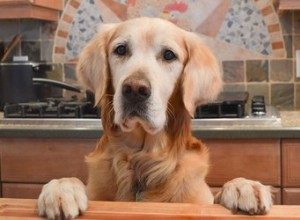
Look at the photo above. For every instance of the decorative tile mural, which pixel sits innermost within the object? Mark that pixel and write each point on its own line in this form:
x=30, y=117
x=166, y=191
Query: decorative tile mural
x=83, y=28
x=256, y=49
x=246, y=28
x=270, y=75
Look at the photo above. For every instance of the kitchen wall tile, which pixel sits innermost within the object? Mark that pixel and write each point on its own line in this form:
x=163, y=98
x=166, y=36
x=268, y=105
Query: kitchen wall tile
x=57, y=72
x=9, y=28
x=236, y=87
x=286, y=19
x=233, y=71
x=46, y=50
x=281, y=70
x=270, y=78
x=32, y=49
x=297, y=98
x=288, y=41
x=30, y=29
x=294, y=72
x=296, y=21
x=70, y=72
x=296, y=44
x=257, y=70
x=282, y=95
x=259, y=89
x=70, y=77
x=48, y=30
x=15, y=52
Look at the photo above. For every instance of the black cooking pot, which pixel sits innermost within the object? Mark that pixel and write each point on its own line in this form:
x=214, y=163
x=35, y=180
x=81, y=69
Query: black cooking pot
x=18, y=82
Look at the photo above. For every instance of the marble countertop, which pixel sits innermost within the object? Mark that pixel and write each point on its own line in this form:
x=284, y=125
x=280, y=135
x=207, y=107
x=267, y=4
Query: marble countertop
x=290, y=119
x=289, y=128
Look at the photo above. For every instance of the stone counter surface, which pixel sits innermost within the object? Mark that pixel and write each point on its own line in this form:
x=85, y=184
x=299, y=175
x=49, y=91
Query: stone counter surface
x=289, y=128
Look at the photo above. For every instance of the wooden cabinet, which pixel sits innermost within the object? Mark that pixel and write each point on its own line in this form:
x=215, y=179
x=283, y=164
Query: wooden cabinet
x=26, y=164
x=289, y=4
x=37, y=9
x=290, y=171
x=21, y=190
x=291, y=196
x=257, y=159
x=291, y=163
x=277, y=198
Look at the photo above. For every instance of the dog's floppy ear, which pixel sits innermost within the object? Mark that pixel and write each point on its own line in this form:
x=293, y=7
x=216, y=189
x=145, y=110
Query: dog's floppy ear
x=202, y=78
x=92, y=67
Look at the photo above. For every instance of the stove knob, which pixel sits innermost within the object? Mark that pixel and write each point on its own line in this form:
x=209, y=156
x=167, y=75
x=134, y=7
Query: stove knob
x=258, y=106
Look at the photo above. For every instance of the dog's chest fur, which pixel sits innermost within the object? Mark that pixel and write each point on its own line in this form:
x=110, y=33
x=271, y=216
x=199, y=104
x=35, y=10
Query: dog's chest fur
x=141, y=171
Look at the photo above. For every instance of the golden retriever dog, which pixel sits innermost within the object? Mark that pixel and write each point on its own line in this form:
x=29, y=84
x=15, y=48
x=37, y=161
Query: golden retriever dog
x=148, y=76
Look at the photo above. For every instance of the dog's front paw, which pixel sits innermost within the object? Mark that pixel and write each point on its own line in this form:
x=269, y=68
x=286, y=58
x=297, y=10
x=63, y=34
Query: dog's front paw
x=245, y=195
x=62, y=198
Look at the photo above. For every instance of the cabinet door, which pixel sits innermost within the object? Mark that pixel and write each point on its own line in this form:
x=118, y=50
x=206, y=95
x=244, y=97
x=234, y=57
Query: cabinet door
x=26, y=160
x=21, y=190
x=257, y=159
x=291, y=162
x=291, y=196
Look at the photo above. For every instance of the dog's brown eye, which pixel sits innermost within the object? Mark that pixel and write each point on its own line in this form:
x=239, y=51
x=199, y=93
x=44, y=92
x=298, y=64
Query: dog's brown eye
x=169, y=55
x=121, y=50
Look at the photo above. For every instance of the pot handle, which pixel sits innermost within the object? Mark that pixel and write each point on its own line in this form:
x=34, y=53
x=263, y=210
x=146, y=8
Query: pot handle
x=41, y=68
x=56, y=83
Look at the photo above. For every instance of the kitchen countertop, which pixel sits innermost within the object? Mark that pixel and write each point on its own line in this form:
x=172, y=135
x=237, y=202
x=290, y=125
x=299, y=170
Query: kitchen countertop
x=26, y=208
x=289, y=128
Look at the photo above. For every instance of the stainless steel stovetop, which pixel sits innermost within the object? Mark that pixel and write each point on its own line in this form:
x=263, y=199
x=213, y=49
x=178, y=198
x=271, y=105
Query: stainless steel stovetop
x=271, y=118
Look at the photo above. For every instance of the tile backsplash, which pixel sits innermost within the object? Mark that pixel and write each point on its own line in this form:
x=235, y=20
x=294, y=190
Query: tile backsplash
x=274, y=78
x=36, y=41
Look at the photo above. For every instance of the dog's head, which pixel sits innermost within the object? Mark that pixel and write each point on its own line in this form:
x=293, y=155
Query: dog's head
x=139, y=63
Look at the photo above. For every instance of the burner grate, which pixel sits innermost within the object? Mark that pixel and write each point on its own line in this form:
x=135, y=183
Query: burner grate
x=52, y=108
x=228, y=105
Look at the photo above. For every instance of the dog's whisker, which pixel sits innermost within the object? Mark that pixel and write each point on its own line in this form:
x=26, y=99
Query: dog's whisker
x=109, y=95
x=170, y=110
x=108, y=106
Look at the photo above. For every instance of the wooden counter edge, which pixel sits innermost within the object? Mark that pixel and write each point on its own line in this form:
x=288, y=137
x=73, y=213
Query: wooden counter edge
x=26, y=209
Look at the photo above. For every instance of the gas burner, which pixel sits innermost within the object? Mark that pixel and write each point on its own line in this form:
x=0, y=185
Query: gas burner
x=34, y=104
x=52, y=108
x=228, y=105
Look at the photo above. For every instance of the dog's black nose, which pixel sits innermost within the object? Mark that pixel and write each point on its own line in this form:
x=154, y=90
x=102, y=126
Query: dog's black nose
x=136, y=90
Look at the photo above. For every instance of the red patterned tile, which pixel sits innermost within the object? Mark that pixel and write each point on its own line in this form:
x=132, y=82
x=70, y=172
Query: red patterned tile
x=277, y=45
x=74, y=4
x=274, y=28
x=63, y=34
x=67, y=18
x=267, y=10
x=60, y=50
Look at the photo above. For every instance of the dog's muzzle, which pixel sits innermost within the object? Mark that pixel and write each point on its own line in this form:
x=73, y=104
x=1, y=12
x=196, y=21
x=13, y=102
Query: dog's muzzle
x=135, y=96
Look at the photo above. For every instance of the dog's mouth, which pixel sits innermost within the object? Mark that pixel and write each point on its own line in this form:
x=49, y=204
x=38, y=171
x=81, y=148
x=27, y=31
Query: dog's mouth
x=145, y=115
x=135, y=110
x=132, y=117
x=129, y=125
